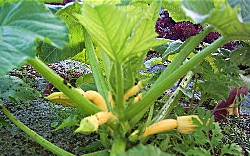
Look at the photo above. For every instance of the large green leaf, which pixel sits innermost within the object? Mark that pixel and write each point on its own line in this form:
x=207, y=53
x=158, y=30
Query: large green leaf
x=49, y=53
x=99, y=2
x=244, y=14
x=21, y=25
x=221, y=16
x=119, y=31
x=47, y=1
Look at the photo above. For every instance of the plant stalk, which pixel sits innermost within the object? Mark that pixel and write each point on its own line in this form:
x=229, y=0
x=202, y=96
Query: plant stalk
x=188, y=46
x=158, y=88
x=83, y=103
x=94, y=63
x=173, y=100
x=39, y=139
x=119, y=103
x=118, y=146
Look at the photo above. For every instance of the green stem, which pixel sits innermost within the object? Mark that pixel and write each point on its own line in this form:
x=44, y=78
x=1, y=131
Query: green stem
x=159, y=88
x=187, y=47
x=197, y=106
x=119, y=146
x=119, y=103
x=39, y=139
x=94, y=63
x=173, y=100
x=67, y=89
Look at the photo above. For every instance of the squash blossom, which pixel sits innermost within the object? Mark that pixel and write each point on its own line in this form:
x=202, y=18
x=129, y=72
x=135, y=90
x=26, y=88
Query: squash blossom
x=183, y=124
x=91, y=123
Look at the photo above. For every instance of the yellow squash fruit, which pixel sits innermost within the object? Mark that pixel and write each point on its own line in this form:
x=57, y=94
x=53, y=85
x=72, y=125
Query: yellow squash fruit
x=132, y=91
x=111, y=100
x=137, y=98
x=97, y=99
x=161, y=126
x=60, y=97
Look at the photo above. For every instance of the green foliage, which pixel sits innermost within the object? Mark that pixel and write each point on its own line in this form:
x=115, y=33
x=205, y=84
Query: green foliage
x=169, y=49
x=210, y=135
x=91, y=147
x=28, y=21
x=72, y=120
x=241, y=56
x=106, y=25
x=216, y=69
x=3, y=123
x=207, y=139
x=244, y=13
x=144, y=150
x=47, y=1
x=86, y=82
x=49, y=53
x=15, y=89
x=221, y=16
x=175, y=11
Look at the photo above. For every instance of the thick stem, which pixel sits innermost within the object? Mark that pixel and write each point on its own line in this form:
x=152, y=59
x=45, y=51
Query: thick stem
x=66, y=88
x=119, y=146
x=97, y=72
x=119, y=103
x=187, y=47
x=159, y=88
x=39, y=139
x=173, y=100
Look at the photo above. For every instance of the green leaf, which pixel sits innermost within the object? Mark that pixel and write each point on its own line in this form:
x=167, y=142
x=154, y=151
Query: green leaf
x=241, y=56
x=70, y=121
x=21, y=25
x=3, y=123
x=172, y=48
x=99, y=2
x=119, y=33
x=43, y=1
x=195, y=151
x=197, y=10
x=221, y=16
x=54, y=124
x=86, y=78
x=106, y=24
x=145, y=151
x=216, y=135
x=49, y=53
x=14, y=87
x=91, y=147
x=232, y=149
x=244, y=14
x=175, y=11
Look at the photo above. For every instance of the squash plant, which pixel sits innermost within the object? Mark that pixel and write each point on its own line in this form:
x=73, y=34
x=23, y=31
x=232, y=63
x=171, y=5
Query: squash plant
x=124, y=32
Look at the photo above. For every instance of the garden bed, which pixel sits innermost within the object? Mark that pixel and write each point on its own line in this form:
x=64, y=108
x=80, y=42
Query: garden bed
x=43, y=116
